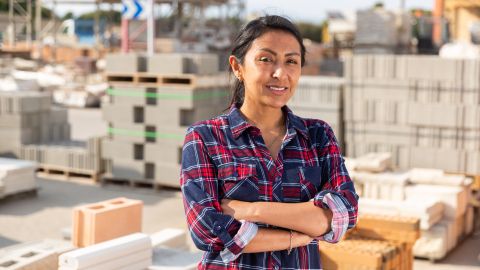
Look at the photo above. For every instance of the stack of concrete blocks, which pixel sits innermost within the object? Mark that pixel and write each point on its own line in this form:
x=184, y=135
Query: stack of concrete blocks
x=423, y=109
x=147, y=122
x=320, y=98
x=81, y=157
x=376, y=31
x=92, y=223
x=16, y=176
x=41, y=255
x=28, y=118
x=438, y=200
x=130, y=252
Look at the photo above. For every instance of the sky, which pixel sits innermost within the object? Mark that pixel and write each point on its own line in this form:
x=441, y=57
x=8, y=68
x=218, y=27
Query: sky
x=298, y=10
x=315, y=10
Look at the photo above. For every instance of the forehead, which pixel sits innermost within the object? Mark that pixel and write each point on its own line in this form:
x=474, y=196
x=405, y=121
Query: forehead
x=276, y=40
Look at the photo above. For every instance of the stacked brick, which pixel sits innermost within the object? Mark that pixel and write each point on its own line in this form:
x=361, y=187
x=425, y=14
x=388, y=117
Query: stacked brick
x=438, y=200
x=423, y=109
x=377, y=242
x=28, y=118
x=149, y=109
x=320, y=98
x=67, y=158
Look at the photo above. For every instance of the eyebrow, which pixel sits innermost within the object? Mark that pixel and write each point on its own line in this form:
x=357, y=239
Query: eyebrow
x=274, y=53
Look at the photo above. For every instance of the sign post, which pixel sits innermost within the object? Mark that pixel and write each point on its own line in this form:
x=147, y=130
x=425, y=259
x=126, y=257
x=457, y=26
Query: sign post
x=137, y=10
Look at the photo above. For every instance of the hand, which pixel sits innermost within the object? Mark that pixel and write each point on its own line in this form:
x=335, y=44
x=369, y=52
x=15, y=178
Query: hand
x=236, y=209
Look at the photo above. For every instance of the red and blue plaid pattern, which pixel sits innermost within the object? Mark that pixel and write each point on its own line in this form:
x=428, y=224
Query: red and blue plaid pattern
x=226, y=157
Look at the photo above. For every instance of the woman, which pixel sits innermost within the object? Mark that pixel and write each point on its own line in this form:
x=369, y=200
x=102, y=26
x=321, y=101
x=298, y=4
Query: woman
x=260, y=184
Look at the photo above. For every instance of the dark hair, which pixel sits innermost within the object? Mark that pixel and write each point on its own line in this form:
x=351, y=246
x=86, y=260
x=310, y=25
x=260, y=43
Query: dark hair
x=248, y=34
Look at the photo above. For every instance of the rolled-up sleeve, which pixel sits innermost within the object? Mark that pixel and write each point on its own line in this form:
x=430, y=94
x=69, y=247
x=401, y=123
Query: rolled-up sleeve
x=338, y=193
x=211, y=230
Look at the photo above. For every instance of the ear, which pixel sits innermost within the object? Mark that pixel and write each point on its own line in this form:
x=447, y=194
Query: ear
x=236, y=66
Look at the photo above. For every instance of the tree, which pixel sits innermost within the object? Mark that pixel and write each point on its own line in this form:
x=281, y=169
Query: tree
x=310, y=31
x=67, y=16
x=110, y=15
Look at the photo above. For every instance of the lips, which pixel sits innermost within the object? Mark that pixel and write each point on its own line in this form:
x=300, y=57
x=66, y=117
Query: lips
x=277, y=88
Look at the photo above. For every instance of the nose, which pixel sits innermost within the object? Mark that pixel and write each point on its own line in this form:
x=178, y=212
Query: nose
x=279, y=72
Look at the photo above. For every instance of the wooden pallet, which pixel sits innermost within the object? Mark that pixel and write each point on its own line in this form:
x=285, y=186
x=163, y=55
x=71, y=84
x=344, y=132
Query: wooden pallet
x=175, y=80
x=67, y=174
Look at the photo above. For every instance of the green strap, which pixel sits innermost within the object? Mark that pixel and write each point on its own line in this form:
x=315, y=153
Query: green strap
x=195, y=96
x=146, y=134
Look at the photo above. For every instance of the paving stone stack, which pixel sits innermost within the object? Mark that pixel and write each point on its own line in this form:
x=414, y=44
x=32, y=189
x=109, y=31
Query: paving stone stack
x=438, y=200
x=150, y=108
x=423, y=109
x=28, y=117
x=320, y=98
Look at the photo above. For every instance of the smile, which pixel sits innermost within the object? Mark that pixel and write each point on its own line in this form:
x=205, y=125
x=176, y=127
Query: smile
x=276, y=88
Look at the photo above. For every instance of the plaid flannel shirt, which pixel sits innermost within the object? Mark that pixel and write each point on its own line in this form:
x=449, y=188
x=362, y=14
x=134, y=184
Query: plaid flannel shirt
x=226, y=157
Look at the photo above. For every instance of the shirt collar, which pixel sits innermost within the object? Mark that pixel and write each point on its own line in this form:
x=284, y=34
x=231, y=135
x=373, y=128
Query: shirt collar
x=238, y=123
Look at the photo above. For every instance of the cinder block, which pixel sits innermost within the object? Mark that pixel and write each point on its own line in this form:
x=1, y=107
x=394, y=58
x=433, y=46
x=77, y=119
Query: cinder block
x=177, y=119
x=128, y=132
x=200, y=64
x=167, y=151
x=92, y=223
x=167, y=174
x=42, y=255
x=125, y=63
x=127, y=169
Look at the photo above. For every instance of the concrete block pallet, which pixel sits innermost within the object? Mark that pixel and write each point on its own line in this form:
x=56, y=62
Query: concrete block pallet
x=66, y=159
x=423, y=109
x=321, y=98
x=149, y=111
x=445, y=217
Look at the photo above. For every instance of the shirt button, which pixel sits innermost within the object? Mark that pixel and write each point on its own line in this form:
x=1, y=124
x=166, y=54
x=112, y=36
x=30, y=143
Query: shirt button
x=218, y=227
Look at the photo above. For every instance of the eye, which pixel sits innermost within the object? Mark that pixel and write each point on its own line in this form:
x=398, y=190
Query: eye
x=264, y=59
x=292, y=61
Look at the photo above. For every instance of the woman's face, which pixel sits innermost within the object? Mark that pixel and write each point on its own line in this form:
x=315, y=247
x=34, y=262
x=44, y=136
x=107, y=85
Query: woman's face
x=271, y=69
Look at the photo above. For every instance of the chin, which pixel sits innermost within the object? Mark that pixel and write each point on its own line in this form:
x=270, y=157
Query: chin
x=277, y=104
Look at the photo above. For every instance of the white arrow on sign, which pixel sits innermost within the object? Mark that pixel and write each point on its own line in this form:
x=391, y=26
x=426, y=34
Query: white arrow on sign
x=134, y=10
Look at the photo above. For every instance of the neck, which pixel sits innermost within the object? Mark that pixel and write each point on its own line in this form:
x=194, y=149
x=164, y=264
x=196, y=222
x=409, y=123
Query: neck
x=263, y=117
